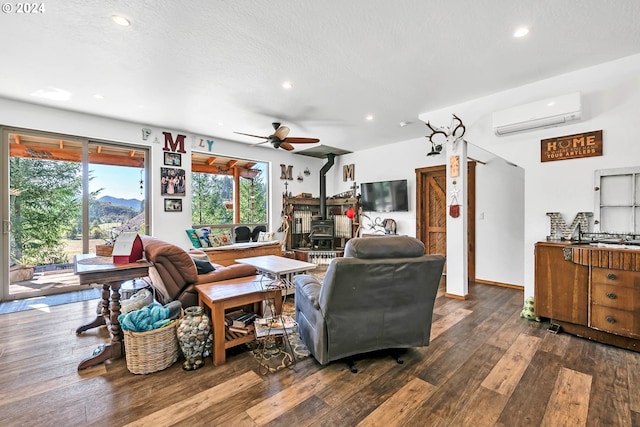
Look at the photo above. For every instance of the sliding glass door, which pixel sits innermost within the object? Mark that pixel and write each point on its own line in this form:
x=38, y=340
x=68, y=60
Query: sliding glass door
x=63, y=196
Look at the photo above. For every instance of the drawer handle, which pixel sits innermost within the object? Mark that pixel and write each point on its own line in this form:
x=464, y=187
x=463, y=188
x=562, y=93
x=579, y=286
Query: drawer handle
x=611, y=276
x=610, y=319
x=611, y=295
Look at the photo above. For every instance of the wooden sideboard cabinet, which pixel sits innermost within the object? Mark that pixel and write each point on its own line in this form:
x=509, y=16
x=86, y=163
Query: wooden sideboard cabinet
x=590, y=291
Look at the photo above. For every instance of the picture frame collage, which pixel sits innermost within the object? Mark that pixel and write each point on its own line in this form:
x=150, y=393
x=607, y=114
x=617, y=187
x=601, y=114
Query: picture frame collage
x=172, y=182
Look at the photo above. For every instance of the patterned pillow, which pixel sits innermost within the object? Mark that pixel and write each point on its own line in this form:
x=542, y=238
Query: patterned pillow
x=195, y=241
x=204, y=235
x=221, y=239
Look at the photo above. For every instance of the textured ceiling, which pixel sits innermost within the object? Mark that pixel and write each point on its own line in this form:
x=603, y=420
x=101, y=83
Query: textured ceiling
x=192, y=65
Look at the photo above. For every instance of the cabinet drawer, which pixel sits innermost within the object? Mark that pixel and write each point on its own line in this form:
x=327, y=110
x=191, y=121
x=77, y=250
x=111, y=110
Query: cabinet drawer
x=620, y=322
x=612, y=295
x=620, y=277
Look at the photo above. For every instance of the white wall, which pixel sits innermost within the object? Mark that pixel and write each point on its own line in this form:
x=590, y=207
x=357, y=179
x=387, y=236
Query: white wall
x=611, y=102
x=500, y=222
x=499, y=236
x=168, y=226
x=389, y=162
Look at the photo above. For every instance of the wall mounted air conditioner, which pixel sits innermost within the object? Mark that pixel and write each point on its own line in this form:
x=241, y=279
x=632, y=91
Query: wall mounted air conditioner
x=546, y=113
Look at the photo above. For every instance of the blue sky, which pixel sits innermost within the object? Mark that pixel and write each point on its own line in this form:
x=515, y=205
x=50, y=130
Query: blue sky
x=117, y=181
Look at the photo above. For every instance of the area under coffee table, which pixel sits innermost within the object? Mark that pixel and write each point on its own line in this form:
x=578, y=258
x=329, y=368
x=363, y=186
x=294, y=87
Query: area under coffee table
x=220, y=296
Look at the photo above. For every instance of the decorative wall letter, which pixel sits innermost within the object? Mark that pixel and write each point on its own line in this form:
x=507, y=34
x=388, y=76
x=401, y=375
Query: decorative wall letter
x=348, y=172
x=177, y=146
x=559, y=228
x=286, y=172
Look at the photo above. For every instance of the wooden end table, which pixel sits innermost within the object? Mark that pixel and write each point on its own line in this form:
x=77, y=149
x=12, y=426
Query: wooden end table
x=94, y=269
x=220, y=296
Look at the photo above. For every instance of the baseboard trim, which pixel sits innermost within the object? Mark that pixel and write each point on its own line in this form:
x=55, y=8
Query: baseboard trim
x=503, y=285
x=454, y=296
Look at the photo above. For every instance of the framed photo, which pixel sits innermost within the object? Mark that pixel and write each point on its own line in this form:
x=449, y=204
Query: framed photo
x=173, y=205
x=172, y=182
x=172, y=159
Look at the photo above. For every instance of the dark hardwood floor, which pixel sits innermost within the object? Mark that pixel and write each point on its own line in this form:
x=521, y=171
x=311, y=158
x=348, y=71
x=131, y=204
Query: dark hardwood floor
x=485, y=366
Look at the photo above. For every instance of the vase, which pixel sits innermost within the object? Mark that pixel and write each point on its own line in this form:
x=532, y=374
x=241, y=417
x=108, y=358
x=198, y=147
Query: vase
x=194, y=330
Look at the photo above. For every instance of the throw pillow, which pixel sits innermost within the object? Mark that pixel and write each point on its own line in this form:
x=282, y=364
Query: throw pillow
x=220, y=239
x=204, y=234
x=203, y=266
x=195, y=241
x=265, y=236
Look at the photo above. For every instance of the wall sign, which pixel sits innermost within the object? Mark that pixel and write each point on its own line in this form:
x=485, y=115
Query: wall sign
x=588, y=144
x=454, y=164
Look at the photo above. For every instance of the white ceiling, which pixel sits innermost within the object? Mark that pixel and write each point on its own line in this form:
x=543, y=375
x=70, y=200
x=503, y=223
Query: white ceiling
x=191, y=65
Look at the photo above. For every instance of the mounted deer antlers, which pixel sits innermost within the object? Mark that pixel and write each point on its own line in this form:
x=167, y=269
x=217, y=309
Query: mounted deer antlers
x=439, y=136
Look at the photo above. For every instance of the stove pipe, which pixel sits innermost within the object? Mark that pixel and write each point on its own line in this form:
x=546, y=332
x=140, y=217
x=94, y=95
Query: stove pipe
x=323, y=184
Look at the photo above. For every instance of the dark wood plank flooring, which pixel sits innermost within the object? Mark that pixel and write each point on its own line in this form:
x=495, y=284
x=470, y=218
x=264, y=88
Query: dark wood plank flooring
x=485, y=366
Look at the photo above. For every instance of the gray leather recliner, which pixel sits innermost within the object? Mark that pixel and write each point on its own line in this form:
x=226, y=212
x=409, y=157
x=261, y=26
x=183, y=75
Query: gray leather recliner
x=380, y=295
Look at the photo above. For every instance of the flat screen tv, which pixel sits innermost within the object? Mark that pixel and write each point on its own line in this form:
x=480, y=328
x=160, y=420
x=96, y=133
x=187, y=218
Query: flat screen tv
x=384, y=196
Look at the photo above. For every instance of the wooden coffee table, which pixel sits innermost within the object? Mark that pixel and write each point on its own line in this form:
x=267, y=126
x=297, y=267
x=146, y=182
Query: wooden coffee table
x=220, y=296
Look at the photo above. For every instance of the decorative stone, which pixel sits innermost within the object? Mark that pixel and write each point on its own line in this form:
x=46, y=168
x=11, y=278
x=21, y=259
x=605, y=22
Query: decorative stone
x=194, y=330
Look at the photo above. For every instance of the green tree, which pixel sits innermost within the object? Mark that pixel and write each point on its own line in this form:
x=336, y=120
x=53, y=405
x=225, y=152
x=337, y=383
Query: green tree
x=44, y=210
x=209, y=191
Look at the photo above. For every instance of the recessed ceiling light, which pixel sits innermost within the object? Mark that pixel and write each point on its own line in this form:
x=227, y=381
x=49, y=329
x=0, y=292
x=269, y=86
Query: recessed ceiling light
x=551, y=104
x=370, y=117
x=98, y=96
x=121, y=20
x=220, y=124
x=521, y=32
x=404, y=123
x=287, y=85
x=53, y=93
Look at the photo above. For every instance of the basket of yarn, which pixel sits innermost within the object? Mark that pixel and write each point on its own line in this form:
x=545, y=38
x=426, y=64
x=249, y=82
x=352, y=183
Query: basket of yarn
x=150, y=339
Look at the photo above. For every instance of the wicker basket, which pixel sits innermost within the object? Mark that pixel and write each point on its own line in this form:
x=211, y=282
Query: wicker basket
x=151, y=351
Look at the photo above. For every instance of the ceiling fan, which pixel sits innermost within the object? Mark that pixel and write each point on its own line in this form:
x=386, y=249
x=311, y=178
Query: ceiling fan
x=279, y=138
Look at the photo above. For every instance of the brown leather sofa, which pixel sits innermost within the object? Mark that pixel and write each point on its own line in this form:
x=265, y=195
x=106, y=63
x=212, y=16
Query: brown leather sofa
x=174, y=274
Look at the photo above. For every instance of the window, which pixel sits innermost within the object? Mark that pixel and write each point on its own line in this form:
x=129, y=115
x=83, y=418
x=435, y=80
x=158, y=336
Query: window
x=228, y=191
x=66, y=195
x=617, y=201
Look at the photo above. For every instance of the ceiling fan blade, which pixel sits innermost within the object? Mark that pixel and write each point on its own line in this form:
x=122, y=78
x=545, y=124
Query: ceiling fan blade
x=281, y=132
x=286, y=146
x=295, y=140
x=255, y=136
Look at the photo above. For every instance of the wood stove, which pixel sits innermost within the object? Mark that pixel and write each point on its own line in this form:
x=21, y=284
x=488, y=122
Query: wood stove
x=322, y=233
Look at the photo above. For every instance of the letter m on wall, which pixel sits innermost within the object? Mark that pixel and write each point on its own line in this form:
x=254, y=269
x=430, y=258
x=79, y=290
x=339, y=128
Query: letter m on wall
x=171, y=145
x=348, y=172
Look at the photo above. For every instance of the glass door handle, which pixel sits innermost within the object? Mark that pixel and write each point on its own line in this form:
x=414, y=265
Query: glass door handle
x=6, y=226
